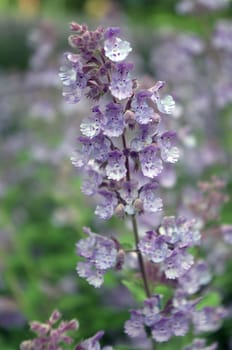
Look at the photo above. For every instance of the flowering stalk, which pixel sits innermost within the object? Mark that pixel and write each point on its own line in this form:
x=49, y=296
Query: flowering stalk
x=123, y=149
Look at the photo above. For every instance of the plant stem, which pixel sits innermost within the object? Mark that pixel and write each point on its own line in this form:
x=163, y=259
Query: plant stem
x=140, y=257
x=135, y=231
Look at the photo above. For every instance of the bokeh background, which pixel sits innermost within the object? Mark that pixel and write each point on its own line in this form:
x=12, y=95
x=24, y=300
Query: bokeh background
x=42, y=208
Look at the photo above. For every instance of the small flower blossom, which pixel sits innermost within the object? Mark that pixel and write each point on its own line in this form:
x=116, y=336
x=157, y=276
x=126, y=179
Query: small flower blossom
x=101, y=255
x=208, y=319
x=169, y=152
x=93, y=343
x=165, y=105
x=151, y=203
x=143, y=113
x=116, y=49
x=200, y=344
x=92, y=126
x=92, y=182
x=129, y=193
x=106, y=209
x=72, y=78
x=151, y=164
x=151, y=310
x=177, y=263
x=115, y=168
x=227, y=233
x=134, y=327
x=180, y=323
x=161, y=330
x=114, y=124
x=195, y=278
x=153, y=247
x=121, y=85
x=144, y=135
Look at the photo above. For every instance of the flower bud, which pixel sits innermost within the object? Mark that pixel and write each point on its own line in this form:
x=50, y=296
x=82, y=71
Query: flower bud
x=138, y=205
x=119, y=211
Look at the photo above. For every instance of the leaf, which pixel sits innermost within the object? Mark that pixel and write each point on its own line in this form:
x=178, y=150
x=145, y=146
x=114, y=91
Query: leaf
x=136, y=289
x=212, y=299
x=165, y=291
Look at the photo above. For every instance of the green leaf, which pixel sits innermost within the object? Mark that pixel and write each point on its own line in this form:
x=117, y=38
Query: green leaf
x=165, y=291
x=212, y=299
x=136, y=289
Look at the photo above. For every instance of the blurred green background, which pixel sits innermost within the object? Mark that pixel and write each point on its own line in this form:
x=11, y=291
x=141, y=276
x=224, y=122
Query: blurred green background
x=42, y=207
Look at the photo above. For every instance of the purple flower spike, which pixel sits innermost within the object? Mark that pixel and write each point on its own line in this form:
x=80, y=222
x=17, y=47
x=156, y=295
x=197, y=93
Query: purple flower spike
x=169, y=152
x=161, y=330
x=151, y=203
x=121, y=85
x=116, y=169
x=151, y=164
x=114, y=120
x=143, y=113
x=153, y=247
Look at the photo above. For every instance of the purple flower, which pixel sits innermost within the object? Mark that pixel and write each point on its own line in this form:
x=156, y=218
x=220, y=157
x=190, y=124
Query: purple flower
x=134, y=327
x=114, y=120
x=92, y=276
x=161, y=330
x=116, y=49
x=93, y=343
x=195, y=278
x=165, y=105
x=121, y=85
x=151, y=164
x=92, y=126
x=115, y=168
x=153, y=247
x=179, y=323
x=72, y=78
x=169, y=152
x=227, y=233
x=200, y=344
x=129, y=193
x=101, y=255
x=93, y=180
x=143, y=113
x=177, y=263
x=151, y=310
x=180, y=231
x=106, y=209
x=144, y=135
x=151, y=203
x=208, y=319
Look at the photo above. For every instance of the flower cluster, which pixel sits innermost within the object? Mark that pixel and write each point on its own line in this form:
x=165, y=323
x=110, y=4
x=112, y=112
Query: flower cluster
x=123, y=150
x=54, y=337
x=101, y=254
x=174, y=319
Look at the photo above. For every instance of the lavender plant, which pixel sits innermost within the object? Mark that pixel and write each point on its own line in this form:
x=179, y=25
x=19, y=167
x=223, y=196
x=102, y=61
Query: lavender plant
x=122, y=151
